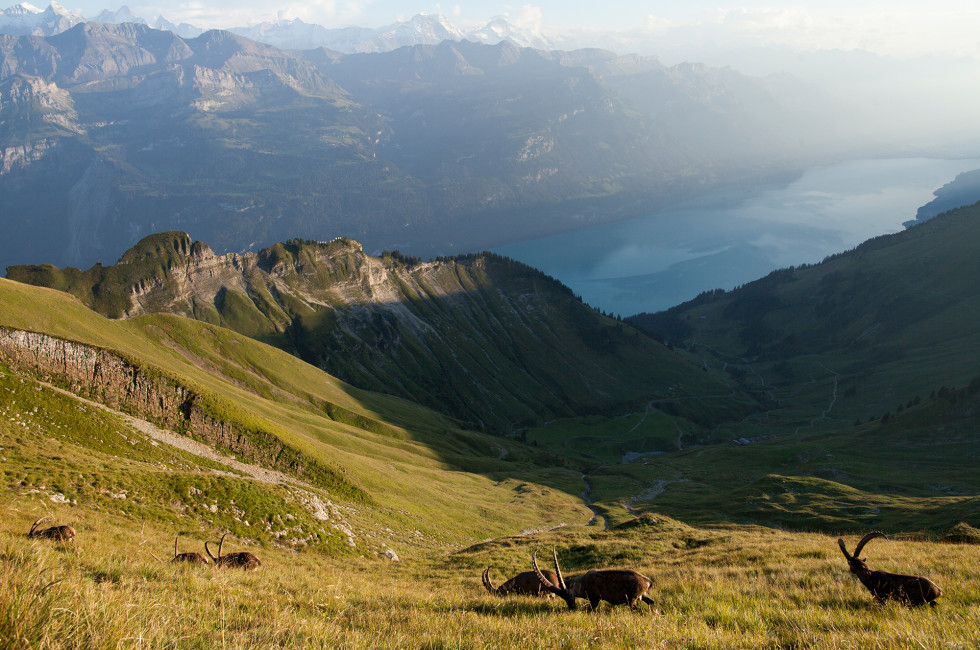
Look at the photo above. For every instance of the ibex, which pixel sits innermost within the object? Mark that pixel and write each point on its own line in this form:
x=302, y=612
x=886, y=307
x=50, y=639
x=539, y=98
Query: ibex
x=192, y=558
x=615, y=586
x=240, y=560
x=883, y=585
x=58, y=533
x=526, y=583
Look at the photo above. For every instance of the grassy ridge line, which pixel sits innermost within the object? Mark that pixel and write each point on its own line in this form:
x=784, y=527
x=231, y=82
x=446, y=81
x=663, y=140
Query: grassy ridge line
x=61, y=456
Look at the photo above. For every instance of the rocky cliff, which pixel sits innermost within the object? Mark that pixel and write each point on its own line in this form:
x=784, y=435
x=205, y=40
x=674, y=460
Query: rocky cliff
x=108, y=378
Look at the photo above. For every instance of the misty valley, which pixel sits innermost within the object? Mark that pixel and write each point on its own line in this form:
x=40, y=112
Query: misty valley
x=459, y=338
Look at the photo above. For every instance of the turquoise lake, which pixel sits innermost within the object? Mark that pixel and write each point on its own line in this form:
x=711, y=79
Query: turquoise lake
x=653, y=262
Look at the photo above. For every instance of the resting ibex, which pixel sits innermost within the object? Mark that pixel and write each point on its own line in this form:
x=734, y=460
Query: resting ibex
x=241, y=560
x=525, y=583
x=192, y=558
x=883, y=585
x=58, y=533
x=615, y=586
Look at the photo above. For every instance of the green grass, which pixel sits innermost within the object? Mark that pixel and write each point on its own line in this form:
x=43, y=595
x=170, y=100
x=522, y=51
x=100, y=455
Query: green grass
x=892, y=320
x=411, y=475
x=740, y=540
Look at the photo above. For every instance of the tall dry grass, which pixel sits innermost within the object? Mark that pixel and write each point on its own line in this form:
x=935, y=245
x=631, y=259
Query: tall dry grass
x=738, y=587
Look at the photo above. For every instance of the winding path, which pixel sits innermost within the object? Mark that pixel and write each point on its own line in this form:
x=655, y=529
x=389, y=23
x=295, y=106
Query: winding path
x=189, y=445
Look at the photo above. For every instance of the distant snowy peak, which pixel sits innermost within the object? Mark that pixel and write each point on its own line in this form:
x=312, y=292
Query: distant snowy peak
x=25, y=19
x=422, y=29
x=498, y=29
x=23, y=9
x=118, y=17
x=184, y=30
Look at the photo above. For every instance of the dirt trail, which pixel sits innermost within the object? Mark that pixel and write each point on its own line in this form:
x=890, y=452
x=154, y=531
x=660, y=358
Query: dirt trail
x=587, y=495
x=189, y=445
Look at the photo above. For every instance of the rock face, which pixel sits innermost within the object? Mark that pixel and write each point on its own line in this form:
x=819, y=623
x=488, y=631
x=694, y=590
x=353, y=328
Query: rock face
x=485, y=339
x=108, y=378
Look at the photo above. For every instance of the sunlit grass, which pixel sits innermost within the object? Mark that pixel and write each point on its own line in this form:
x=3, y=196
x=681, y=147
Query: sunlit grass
x=732, y=587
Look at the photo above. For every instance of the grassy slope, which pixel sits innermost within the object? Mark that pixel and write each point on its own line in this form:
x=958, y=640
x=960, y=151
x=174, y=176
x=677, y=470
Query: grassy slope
x=411, y=473
x=714, y=586
x=834, y=347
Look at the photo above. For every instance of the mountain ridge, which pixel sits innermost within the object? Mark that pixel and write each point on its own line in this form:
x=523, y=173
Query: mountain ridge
x=432, y=149
x=889, y=320
x=483, y=338
x=422, y=28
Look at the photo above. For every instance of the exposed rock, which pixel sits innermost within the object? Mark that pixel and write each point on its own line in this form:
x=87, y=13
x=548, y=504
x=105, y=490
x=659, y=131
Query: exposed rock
x=108, y=378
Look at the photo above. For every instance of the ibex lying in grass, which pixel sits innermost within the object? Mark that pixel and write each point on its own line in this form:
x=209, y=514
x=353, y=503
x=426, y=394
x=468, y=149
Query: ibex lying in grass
x=526, y=583
x=883, y=585
x=57, y=533
x=240, y=560
x=191, y=558
x=615, y=586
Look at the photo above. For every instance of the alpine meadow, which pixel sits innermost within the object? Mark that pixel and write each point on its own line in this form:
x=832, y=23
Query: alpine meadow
x=263, y=385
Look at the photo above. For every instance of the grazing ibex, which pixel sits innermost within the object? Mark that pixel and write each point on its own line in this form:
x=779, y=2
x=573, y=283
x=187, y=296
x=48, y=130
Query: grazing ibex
x=526, y=583
x=883, y=585
x=58, y=533
x=240, y=560
x=615, y=586
x=192, y=557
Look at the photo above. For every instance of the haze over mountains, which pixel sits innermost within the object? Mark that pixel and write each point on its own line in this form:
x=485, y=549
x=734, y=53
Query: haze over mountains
x=912, y=76
x=422, y=29
x=112, y=132
x=210, y=337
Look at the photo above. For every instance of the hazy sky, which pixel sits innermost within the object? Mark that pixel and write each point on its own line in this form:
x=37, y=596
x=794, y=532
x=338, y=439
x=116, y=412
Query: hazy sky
x=887, y=27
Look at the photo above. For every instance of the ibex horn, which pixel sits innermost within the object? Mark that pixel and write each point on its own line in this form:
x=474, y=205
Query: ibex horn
x=34, y=525
x=561, y=580
x=541, y=576
x=864, y=540
x=486, y=582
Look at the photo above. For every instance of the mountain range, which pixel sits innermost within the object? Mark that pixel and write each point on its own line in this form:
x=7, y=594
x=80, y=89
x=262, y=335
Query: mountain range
x=838, y=395
x=112, y=132
x=291, y=34
x=484, y=339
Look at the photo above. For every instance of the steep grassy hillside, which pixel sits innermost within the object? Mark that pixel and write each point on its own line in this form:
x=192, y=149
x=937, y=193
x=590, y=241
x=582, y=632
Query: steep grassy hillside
x=860, y=335
x=482, y=338
x=392, y=465
x=868, y=362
